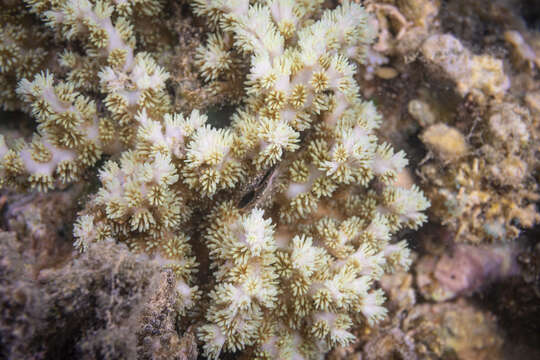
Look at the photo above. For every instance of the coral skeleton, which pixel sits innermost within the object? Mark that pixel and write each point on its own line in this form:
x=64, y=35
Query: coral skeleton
x=295, y=204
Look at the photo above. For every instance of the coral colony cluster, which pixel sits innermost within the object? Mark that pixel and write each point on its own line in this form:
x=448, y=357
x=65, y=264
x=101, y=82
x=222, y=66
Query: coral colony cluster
x=485, y=195
x=295, y=202
x=482, y=185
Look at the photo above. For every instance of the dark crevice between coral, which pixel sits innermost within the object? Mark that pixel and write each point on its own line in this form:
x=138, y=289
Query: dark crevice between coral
x=220, y=116
x=530, y=10
x=516, y=301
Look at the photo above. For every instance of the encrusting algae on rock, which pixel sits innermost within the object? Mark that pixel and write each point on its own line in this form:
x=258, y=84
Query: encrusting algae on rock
x=296, y=201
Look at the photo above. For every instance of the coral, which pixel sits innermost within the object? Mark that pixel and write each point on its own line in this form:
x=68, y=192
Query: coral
x=453, y=330
x=22, y=54
x=388, y=340
x=468, y=194
x=480, y=169
x=294, y=205
x=423, y=113
x=448, y=143
x=523, y=52
x=449, y=330
x=72, y=135
x=385, y=12
x=498, y=203
x=402, y=26
x=481, y=76
x=214, y=179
